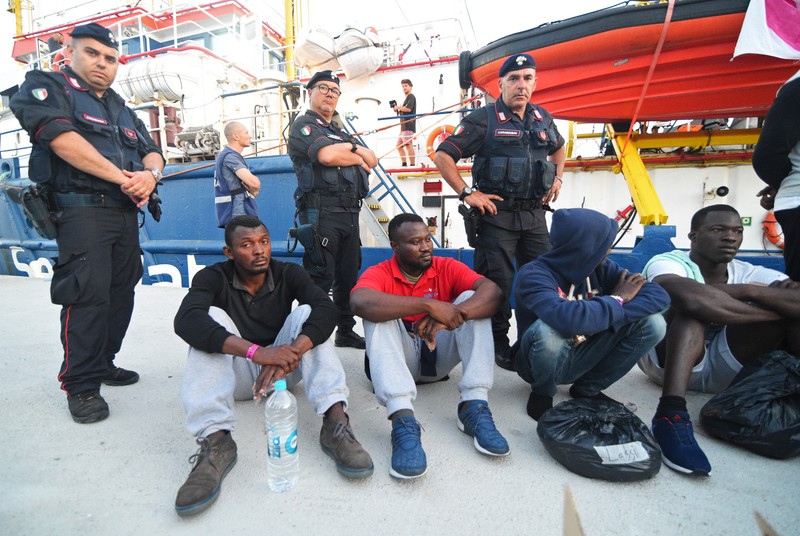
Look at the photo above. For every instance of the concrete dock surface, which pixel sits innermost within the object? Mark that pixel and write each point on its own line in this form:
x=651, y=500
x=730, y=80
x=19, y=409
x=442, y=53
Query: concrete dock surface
x=120, y=476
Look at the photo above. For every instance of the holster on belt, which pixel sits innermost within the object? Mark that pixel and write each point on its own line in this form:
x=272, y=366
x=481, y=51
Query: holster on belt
x=37, y=208
x=472, y=223
x=308, y=235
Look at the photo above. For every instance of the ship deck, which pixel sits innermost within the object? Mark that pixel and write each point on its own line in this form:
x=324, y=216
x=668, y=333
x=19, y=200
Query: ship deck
x=120, y=476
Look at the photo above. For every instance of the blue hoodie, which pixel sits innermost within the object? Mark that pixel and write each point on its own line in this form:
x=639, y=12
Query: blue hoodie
x=580, y=239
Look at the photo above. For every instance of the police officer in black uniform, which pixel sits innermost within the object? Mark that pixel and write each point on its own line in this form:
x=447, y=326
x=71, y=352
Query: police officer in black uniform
x=332, y=170
x=98, y=166
x=519, y=160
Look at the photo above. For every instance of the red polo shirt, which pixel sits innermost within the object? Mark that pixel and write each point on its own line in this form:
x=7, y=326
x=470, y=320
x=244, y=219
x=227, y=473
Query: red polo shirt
x=445, y=280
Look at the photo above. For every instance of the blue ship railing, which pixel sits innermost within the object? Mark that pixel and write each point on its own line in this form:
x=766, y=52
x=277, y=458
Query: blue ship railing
x=385, y=181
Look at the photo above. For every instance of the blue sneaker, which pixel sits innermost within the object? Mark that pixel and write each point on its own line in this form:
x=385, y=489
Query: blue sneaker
x=679, y=450
x=408, y=458
x=475, y=419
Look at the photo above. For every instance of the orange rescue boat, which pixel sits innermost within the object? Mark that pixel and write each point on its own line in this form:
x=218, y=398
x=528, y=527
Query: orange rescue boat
x=592, y=68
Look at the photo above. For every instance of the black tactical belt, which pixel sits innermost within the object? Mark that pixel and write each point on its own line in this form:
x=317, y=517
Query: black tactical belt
x=336, y=201
x=96, y=199
x=512, y=205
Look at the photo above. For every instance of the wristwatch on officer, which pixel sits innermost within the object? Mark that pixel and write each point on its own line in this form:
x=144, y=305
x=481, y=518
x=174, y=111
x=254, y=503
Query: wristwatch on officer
x=467, y=191
x=355, y=147
x=156, y=173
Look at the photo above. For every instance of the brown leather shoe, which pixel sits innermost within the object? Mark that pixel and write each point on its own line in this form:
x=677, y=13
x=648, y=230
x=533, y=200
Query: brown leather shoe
x=337, y=441
x=216, y=457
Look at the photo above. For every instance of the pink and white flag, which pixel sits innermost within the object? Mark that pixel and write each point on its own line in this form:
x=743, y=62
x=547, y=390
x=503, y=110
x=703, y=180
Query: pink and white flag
x=771, y=28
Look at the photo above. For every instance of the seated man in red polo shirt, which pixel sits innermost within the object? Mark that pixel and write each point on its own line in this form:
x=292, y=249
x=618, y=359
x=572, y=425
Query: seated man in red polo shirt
x=422, y=316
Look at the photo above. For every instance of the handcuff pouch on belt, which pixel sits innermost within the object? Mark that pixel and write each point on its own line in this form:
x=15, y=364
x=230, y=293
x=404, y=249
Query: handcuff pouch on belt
x=36, y=207
x=472, y=222
x=308, y=235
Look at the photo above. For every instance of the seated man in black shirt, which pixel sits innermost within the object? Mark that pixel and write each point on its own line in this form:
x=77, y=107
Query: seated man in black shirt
x=243, y=335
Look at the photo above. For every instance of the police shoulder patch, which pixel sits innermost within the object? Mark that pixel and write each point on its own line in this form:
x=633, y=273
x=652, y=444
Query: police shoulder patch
x=305, y=131
x=39, y=93
x=459, y=129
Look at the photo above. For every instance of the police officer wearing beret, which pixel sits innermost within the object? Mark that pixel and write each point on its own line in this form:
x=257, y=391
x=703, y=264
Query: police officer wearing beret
x=98, y=165
x=332, y=171
x=519, y=160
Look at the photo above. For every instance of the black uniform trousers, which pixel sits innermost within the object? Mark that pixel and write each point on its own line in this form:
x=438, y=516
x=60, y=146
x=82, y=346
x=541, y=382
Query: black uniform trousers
x=790, y=224
x=98, y=267
x=342, y=260
x=515, y=239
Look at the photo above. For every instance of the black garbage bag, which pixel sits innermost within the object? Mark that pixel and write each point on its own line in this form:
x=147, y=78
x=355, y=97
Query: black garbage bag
x=600, y=439
x=760, y=409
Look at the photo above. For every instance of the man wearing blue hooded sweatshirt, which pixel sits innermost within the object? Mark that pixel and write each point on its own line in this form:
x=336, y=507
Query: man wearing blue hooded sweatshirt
x=582, y=319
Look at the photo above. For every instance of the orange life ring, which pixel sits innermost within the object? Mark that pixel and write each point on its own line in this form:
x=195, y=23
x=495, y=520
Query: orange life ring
x=772, y=230
x=59, y=60
x=439, y=133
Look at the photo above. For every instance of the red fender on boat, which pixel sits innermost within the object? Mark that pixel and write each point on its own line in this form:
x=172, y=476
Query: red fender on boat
x=772, y=230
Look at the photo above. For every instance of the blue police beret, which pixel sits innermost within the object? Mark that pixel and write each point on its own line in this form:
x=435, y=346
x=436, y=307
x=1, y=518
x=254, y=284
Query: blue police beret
x=97, y=32
x=515, y=63
x=328, y=76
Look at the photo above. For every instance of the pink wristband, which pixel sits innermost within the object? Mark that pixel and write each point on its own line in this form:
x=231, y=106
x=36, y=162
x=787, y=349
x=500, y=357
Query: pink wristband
x=251, y=352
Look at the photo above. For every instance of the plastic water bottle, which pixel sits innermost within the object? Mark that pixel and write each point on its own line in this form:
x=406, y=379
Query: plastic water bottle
x=280, y=414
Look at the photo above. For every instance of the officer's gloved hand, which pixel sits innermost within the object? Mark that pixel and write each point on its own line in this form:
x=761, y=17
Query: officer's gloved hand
x=154, y=206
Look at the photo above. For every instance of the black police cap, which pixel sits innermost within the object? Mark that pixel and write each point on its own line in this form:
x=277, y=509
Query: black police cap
x=515, y=63
x=96, y=32
x=327, y=76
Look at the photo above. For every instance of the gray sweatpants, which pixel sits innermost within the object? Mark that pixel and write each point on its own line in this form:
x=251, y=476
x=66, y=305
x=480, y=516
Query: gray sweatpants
x=394, y=359
x=213, y=381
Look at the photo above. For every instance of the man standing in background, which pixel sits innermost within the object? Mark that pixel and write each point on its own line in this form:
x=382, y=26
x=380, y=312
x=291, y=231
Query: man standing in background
x=54, y=45
x=55, y=42
x=776, y=160
x=235, y=187
x=408, y=127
